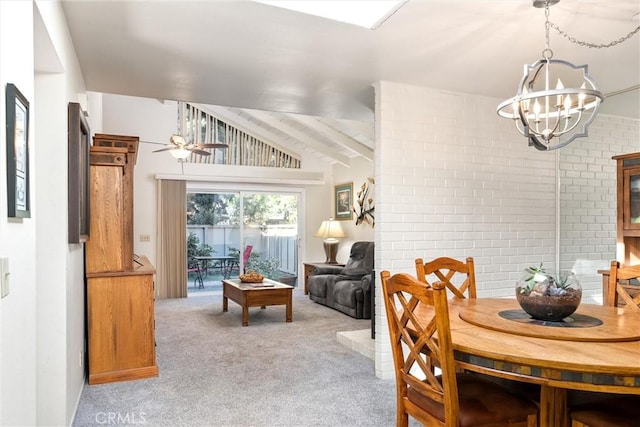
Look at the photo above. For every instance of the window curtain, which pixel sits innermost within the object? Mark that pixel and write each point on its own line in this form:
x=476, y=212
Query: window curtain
x=171, y=269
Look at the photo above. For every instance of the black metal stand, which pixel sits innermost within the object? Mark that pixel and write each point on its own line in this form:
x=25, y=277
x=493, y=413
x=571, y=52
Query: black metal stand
x=373, y=305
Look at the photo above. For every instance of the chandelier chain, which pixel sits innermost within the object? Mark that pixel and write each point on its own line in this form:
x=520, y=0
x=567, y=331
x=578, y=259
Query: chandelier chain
x=547, y=53
x=593, y=45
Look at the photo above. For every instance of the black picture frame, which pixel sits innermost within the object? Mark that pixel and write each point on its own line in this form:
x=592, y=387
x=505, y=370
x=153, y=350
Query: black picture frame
x=18, y=188
x=79, y=148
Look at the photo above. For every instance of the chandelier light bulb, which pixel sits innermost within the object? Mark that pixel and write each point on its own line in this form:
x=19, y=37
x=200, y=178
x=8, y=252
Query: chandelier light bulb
x=581, y=97
x=567, y=106
x=559, y=101
x=536, y=111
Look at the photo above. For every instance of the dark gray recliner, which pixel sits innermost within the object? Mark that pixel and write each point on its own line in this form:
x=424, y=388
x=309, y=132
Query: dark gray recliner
x=348, y=288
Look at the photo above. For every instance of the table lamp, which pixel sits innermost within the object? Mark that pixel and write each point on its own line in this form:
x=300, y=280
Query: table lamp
x=330, y=230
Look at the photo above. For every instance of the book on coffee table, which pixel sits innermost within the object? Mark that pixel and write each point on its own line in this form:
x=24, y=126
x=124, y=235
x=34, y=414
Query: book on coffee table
x=259, y=284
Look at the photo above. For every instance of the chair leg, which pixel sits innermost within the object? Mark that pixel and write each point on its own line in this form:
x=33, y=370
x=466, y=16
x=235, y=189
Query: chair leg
x=199, y=279
x=402, y=419
x=226, y=269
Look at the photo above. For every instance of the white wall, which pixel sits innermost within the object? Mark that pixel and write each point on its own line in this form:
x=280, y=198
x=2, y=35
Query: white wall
x=453, y=179
x=42, y=329
x=17, y=236
x=61, y=355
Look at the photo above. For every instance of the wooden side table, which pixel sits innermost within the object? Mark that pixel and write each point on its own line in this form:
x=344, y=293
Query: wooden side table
x=309, y=267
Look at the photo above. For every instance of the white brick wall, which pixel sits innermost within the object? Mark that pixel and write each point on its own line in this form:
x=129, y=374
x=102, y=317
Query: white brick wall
x=453, y=179
x=588, y=198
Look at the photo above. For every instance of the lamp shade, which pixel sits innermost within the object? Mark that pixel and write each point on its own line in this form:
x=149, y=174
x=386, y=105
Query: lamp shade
x=330, y=229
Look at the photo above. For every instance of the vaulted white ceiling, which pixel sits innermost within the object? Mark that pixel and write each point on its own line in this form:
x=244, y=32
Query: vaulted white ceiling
x=252, y=58
x=332, y=140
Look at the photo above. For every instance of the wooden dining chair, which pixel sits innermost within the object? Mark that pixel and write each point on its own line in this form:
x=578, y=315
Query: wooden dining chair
x=235, y=263
x=620, y=292
x=613, y=411
x=459, y=277
x=618, y=411
x=450, y=399
x=193, y=266
x=246, y=255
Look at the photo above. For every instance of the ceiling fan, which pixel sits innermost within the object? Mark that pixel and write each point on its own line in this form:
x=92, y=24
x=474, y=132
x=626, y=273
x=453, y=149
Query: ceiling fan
x=180, y=148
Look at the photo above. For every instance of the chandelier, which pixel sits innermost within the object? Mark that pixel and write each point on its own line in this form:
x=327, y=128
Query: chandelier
x=556, y=101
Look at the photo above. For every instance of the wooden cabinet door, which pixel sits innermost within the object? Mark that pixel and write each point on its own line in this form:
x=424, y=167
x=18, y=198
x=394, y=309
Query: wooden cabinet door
x=121, y=327
x=104, y=246
x=631, y=195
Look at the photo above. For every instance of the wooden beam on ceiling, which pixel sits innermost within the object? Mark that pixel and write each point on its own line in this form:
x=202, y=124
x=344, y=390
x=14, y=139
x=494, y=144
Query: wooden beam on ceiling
x=249, y=127
x=273, y=120
x=333, y=135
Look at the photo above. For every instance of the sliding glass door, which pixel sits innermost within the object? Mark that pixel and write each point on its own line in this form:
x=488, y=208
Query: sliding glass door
x=270, y=227
x=242, y=231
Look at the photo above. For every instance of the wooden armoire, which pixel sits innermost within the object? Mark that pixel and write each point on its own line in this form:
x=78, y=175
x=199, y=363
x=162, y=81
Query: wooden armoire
x=627, y=216
x=120, y=284
x=628, y=209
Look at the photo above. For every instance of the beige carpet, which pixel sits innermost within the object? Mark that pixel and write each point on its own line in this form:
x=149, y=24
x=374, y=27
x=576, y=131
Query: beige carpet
x=214, y=372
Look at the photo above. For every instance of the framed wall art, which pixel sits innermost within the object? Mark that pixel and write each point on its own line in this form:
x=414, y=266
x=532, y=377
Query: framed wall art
x=343, y=199
x=18, y=190
x=79, y=146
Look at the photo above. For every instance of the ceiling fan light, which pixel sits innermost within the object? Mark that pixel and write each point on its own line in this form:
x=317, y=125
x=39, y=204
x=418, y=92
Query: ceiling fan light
x=180, y=153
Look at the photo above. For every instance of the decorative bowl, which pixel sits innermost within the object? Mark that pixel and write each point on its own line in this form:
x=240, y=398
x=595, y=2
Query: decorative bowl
x=547, y=297
x=251, y=277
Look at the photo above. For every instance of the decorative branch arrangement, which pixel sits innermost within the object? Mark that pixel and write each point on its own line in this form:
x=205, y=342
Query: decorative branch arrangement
x=364, y=208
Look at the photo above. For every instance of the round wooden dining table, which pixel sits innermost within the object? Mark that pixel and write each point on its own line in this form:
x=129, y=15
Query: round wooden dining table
x=597, y=349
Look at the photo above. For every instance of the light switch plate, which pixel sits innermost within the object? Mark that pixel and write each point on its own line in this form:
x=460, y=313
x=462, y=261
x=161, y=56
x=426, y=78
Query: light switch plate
x=4, y=276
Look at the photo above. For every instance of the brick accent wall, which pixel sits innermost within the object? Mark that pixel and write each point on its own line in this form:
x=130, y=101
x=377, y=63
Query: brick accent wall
x=588, y=198
x=453, y=179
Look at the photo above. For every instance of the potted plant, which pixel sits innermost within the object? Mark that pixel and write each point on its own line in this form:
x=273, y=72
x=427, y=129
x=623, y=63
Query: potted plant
x=194, y=248
x=268, y=267
x=549, y=297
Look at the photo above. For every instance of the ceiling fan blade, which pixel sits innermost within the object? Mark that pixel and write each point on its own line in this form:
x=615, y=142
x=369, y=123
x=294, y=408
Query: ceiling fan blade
x=198, y=151
x=178, y=142
x=164, y=149
x=152, y=142
x=210, y=146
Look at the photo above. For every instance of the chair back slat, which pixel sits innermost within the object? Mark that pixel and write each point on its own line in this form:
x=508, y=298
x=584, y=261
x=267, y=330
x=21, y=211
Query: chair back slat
x=445, y=354
x=619, y=291
x=459, y=277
